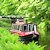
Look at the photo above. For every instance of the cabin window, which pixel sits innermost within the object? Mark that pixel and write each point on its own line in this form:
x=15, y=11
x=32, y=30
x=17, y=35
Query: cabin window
x=33, y=28
x=25, y=28
x=29, y=27
x=16, y=27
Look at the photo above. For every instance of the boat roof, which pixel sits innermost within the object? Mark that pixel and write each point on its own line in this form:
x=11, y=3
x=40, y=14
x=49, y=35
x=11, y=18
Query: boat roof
x=20, y=23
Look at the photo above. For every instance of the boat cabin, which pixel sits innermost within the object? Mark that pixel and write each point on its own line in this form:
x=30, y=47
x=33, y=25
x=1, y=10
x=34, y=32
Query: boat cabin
x=22, y=28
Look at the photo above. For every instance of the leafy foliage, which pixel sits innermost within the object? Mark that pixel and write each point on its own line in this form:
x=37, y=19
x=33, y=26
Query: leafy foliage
x=38, y=9
x=5, y=23
x=35, y=8
x=10, y=42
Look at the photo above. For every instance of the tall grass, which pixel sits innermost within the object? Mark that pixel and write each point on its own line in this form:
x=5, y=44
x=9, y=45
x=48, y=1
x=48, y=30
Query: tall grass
x=10, y=42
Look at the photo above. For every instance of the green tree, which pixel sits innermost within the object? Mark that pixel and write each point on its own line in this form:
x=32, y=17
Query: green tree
x=28, y=8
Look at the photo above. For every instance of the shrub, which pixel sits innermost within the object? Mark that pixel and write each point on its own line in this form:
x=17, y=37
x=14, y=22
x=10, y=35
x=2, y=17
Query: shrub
x=10, y=42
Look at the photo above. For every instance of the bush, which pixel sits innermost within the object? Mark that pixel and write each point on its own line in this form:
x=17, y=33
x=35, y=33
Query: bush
x=10, y=42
